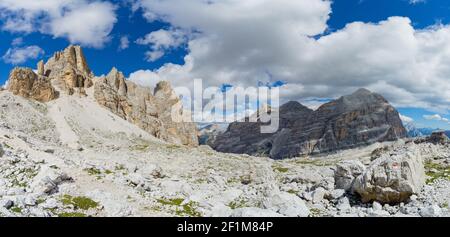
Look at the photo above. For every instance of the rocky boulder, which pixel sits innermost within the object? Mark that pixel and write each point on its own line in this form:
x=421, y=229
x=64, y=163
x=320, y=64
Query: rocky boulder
x=346, y=173
x=24, y=82
x=286, y=204
x=392, y=178
x=151, y=111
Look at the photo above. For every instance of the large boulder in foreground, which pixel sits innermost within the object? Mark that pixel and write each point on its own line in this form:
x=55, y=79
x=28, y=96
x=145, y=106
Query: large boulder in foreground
x=24, y=82
x=392, y=178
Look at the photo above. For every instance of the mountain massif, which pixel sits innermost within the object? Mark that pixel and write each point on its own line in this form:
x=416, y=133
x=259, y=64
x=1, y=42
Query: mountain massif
x=68, y=72
x=359, y=119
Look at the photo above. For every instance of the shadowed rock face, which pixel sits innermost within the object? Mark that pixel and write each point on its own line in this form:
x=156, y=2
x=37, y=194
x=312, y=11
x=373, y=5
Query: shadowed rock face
x=151, y=111
x=361, y=118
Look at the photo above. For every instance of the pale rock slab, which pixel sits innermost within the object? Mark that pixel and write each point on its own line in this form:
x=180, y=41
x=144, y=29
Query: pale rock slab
x=393, y=178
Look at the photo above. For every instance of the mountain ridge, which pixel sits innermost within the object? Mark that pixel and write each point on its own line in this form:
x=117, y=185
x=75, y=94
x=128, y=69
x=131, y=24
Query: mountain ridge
x=358, y=119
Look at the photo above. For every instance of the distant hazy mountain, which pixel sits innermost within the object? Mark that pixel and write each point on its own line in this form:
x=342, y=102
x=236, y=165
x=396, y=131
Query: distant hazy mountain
x=209, y=131
x=412, y=130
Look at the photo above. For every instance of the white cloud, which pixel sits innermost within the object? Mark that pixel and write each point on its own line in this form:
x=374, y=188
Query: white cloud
x=85, y=22
x=436, y=117
x=124, y=43
x=161, y=41
x=20, y=55
x=405, y=119
x=414, y=2
x=243, y=42
x=17, y=41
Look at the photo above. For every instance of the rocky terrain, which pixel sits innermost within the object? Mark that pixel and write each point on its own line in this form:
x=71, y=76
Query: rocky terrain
x=359, y=119
x=75, y=156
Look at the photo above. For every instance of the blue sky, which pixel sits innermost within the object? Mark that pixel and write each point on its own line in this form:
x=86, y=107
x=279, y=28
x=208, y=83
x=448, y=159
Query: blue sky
x=186, y=30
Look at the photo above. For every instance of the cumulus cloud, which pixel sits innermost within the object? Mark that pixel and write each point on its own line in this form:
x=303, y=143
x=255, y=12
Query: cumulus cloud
x=161, y=41
x=88, y=23
x=436, y=117
x=18, y=55
x=245, y=42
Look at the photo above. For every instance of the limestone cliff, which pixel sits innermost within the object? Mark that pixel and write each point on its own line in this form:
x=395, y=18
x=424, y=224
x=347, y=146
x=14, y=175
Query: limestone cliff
x=24, y=82
x=151, y=111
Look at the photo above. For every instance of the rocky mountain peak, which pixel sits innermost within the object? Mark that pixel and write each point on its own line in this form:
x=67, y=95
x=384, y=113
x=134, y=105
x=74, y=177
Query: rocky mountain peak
x=163, y=90
x=359, y=99
x=362, y=91
x=69, y=70
x=294, y=106
x=358, y=119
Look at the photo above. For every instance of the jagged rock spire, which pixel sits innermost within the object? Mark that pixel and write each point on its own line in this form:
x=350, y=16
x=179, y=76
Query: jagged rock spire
x=70, y=69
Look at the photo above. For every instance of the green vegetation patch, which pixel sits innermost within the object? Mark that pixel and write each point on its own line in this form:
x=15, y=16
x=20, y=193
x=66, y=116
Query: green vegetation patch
x=237, y=204
x=16, y=209
x=314, y=212
x=436, y=171
x=139, y=147
x=93, y=171
x=71, y=214
x=172, y=202
x=280, y=169
x=188, y=209
x=83, y=203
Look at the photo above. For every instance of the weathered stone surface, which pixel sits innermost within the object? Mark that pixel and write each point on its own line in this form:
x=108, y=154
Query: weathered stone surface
x=2, y=152
x=359, y=119
x=392, y=178
x=24, y=82
x=47, y=181
x=286, y=204
x=431, y=211
x=69, y=69
x=346, y=173
x=40, y=68
x=149, y=111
